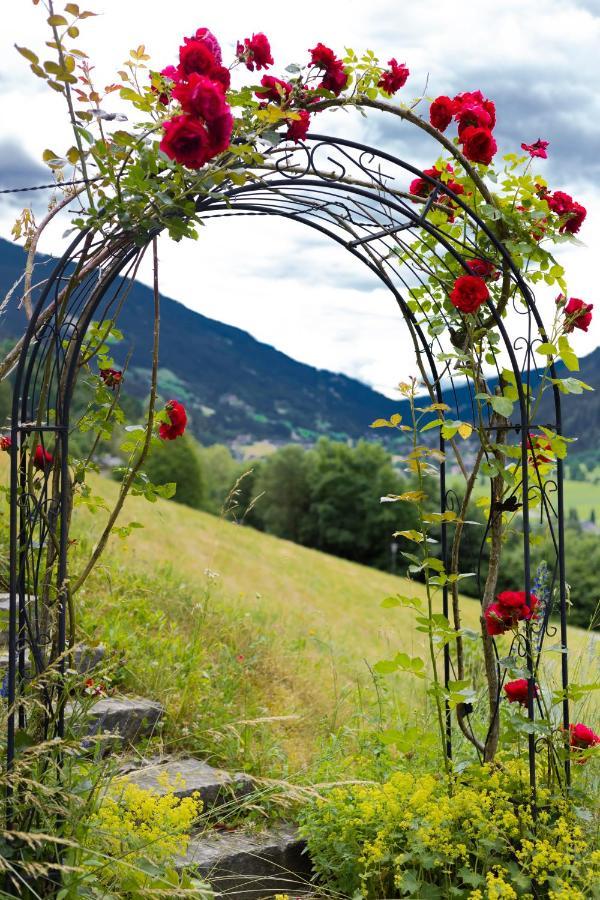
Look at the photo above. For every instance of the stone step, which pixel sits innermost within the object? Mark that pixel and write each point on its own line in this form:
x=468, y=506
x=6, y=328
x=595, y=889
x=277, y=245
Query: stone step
x=242, y=865
x=127, y=719
x=187, y=776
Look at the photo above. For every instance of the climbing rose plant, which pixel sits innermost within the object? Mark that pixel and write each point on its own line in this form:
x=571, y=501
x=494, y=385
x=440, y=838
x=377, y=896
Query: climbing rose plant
x=198, y=123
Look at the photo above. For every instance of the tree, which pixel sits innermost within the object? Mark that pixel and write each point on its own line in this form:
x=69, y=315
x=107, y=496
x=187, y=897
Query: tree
x=346, y=516
x=178, y=461
x=285, y=485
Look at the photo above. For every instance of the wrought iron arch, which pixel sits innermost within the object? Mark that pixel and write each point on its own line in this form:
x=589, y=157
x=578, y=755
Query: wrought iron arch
x=350, y=193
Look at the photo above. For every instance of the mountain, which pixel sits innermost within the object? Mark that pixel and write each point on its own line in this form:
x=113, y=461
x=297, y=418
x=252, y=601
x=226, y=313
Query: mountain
x=236, y=389
x=240, y=391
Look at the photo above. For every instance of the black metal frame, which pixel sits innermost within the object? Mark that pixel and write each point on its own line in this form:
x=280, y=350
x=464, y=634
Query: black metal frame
x=351, y=193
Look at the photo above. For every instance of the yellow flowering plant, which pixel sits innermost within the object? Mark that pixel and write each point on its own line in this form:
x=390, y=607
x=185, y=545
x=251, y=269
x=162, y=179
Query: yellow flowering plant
x=408, y=837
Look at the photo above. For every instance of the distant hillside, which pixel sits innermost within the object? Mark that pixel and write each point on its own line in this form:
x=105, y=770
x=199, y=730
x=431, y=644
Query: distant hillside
x=241, y=391
x=235, y=387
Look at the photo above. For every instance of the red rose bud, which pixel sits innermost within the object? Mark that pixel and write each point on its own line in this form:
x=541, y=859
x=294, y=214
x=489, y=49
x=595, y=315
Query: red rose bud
x=178, y=421
x=482, y=268
x=111, y=377
x=298, y=128
x=441, y=112
x=537, y=149
x=5, y=443
x=42, y=459
x=583, y=737
x=517, y=691
x=393, y=78
x=478, y=144
x=255, y=52
x=274, y=89
x=577, y=315
x=469, y=293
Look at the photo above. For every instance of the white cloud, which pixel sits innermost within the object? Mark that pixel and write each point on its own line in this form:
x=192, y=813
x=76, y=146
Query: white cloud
x=305, y=296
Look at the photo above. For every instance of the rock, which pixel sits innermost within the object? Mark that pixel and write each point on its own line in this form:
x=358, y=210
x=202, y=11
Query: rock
x=129, y=718
x=215, y=786
x=242, y=865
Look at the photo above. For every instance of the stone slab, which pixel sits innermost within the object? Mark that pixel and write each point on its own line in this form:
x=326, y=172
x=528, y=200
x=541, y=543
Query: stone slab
x=215, y=786
x=128, y=718
x=250, y=866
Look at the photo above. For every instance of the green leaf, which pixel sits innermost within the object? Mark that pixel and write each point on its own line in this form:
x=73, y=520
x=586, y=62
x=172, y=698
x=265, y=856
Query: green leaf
x=56, y=21
x=28, y=54
x=546, y=350
x=567, y=354
x=502, y=405
x=398, y=600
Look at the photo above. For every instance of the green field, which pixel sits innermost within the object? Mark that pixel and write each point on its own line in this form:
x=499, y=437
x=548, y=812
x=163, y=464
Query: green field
x=308, y=626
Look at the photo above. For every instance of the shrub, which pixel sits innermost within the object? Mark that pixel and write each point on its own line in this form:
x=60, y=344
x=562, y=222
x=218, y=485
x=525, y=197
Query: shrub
x=409, y=837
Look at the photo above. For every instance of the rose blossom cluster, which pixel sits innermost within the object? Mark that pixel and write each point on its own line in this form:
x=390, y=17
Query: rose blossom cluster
x=199, y=83
x=42, y=458
x=510, y=608
x=476, y=118
x=578, y=313
x=177, y=423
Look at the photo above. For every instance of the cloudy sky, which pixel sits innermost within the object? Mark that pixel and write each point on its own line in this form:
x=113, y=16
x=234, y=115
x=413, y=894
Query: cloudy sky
x=538, y=61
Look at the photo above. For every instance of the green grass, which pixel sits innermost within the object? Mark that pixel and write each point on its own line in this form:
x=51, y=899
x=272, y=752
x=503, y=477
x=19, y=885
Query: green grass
x=584, y=496
x=260, y=649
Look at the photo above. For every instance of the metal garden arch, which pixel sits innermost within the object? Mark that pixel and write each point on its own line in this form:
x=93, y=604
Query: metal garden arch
x=355, y=195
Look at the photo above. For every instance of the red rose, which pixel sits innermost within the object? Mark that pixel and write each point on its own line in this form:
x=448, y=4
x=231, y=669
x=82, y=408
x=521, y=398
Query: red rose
x=196, y=56
x=472, y=114
x=537, y=149
x=111, y=377
x=335, y=78
x=219, y=131
x=394, y=78
x=298, y=128
x=186, y=141
x=576, y=219
x=482, y=267
x=223, y=76
x=201, y=96
x=517, y=691
x=5, y=443
x=577, y=315
x=479, y=144
x=274, y=89
x=583, y=737
x=475, y=97
x=207, y=37
x=322, y=56
x=469, y=293
x=419, y=187
x=178, y=421
x=255, y=51
x=497, y=619
x=441, y=112
x=42, y=459
x=565, y=207
x=515, y=604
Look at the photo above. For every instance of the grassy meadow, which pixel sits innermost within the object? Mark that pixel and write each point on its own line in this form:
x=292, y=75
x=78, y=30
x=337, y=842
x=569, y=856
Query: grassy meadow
x=261, y=650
